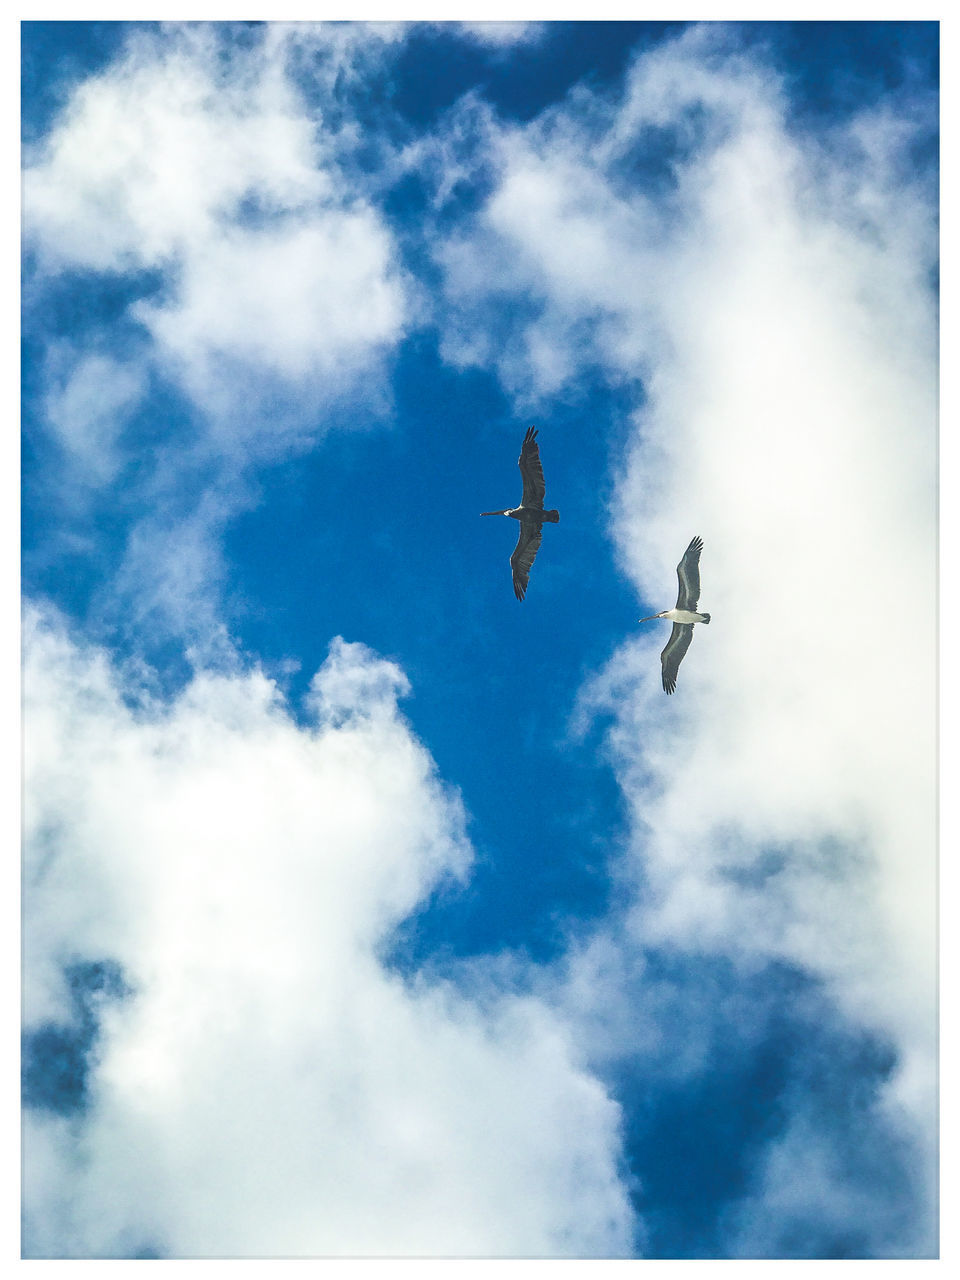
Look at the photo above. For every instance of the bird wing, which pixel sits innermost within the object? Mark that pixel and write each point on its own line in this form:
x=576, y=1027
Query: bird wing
x=534, y=486
x=524, y=554
x=672, y=654
x=688, y=575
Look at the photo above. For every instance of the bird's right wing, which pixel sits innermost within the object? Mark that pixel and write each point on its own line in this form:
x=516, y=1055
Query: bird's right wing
x=672, y=654
x=524, y=554
x=688, y=576
x=534, y=486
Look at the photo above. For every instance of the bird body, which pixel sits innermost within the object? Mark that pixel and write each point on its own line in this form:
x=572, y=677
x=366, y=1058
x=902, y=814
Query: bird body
x=526, y=513
x=684, y=616
x=530, y=513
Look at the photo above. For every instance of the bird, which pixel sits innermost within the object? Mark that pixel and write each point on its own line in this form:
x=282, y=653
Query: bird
x=530, y=513
x=683, y=616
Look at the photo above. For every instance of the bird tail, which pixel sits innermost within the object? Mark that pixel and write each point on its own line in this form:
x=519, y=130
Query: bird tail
x=704, y=617
x=552, y=516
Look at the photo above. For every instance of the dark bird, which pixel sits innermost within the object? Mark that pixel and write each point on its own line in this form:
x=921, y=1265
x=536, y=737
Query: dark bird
x=530, y=513
x=683, y=616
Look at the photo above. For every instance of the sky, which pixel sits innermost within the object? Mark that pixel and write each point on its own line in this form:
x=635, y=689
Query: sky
x=367, y=911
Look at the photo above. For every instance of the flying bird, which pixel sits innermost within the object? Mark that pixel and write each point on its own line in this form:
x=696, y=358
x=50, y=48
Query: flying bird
x=683, y=616
x=530, y=513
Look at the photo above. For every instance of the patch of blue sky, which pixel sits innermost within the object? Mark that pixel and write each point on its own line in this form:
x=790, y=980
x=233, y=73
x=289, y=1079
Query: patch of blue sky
x=386, y=543
x=834, y=68
x=437, y=66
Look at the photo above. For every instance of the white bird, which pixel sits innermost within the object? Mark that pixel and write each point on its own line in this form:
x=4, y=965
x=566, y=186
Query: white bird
x=683, y=616
x=530, y=513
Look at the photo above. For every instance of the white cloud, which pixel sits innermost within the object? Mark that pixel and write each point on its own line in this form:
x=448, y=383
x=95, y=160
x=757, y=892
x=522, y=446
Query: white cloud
x=152, y=154
x=198, y=157
x=772, y=291
x=558, y=237
x=170, y=575
x=207, y=172
x=304, y=303
x=270, y=1088
x=88, y=408
x=502, y=35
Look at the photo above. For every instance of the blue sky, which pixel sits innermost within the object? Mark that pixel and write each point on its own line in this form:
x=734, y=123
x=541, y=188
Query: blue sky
x=345, y=872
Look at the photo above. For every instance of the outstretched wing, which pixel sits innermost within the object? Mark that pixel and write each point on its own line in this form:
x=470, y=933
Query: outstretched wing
x=524, y=554
x=534, y=487
x=688, y=575
x=673, y=652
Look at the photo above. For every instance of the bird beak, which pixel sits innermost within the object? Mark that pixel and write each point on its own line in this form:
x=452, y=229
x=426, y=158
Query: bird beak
x=653, y=617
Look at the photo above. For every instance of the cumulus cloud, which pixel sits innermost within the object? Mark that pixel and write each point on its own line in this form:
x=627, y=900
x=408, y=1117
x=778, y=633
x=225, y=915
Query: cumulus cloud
x=772, y=291
x=536, y=244
x=197, y=190
x=266, y=1086
x=312, y=301
x=198, y=157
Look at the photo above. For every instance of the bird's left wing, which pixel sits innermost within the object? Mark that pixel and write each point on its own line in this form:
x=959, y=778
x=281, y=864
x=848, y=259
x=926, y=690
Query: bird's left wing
x=672, y=653
x=534, y=486
x=688, y=575
x=524, y=554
